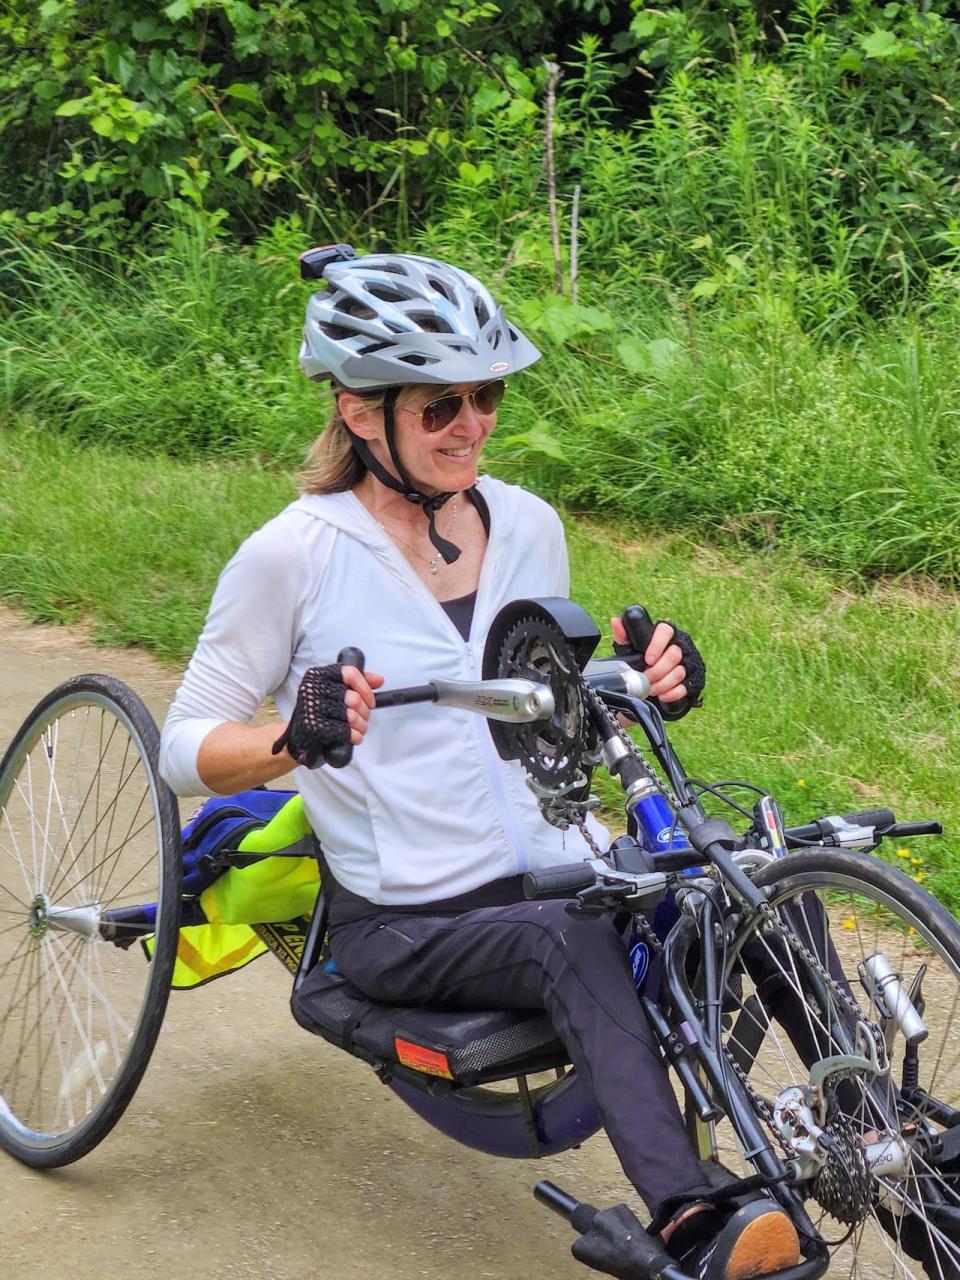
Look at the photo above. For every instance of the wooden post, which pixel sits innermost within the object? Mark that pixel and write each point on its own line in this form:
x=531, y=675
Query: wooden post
x=574, y=224
x=553, y=75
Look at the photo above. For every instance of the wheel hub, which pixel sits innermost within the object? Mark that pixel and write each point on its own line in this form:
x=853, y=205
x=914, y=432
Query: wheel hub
x=38, y=915
x=42, y=915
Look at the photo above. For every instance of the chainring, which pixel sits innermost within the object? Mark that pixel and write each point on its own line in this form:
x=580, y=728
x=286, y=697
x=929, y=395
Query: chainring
x=552, y=752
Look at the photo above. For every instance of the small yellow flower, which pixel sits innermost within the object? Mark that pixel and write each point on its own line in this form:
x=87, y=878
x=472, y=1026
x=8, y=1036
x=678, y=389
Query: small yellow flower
x=801, y=782
x=848, y=923
x=903, y=853
x=911, y=931
x=919, y=877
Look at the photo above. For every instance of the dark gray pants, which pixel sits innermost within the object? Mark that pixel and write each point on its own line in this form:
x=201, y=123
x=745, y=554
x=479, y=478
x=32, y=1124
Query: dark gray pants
x=533, y=955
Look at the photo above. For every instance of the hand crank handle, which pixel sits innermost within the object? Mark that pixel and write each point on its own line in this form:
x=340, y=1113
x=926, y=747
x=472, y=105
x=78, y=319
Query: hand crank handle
x=516, y=701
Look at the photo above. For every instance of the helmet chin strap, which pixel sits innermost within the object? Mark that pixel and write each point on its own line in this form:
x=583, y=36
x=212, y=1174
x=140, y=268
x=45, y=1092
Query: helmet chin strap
x=430, y=505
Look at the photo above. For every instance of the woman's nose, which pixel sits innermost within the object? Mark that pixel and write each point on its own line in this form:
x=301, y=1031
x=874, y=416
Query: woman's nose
x=468, y=421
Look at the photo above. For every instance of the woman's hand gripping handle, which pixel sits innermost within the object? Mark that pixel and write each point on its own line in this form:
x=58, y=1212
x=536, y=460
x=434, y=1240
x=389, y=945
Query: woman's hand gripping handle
x=331, y=713
x=668, y=657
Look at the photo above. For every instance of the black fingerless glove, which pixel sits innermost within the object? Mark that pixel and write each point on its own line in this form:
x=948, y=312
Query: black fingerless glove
x=693, y=664
x=695, y=678
x=319, y=719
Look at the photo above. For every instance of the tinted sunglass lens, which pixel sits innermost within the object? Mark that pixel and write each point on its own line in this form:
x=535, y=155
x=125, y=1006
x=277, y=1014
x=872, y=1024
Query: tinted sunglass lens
x=440, y=413
x=488, y=397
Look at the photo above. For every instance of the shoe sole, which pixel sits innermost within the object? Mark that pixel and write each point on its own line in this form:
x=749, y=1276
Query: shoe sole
x=766, y=1244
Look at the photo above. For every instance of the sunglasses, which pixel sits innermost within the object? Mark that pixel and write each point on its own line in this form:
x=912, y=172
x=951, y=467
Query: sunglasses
x=440, y=413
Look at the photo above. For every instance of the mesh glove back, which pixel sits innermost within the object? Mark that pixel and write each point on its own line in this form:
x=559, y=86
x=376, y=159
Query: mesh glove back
x=640, y=628
x=319, y=719
x=695, y=679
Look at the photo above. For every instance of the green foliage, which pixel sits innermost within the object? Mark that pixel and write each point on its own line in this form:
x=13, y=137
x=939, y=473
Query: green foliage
x=813, y=160
x=722, y=148
x=190, y=352
x=112, y=111
x=734, y=422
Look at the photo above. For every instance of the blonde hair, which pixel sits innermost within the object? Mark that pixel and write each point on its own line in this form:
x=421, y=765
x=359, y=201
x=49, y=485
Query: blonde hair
x=332, y=465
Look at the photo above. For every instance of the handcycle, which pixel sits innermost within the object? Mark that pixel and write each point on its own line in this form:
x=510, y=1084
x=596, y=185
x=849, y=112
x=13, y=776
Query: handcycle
x=804, y=993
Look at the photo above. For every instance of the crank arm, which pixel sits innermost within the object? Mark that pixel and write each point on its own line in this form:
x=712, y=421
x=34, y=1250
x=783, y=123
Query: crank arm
x=513, y=700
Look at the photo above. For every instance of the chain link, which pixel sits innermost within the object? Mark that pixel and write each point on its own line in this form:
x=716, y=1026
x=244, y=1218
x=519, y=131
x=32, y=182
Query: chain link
x=638, y=753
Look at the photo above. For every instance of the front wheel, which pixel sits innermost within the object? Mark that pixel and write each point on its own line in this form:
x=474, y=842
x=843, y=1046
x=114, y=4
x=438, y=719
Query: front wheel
x=89, y=838
x=856, y=961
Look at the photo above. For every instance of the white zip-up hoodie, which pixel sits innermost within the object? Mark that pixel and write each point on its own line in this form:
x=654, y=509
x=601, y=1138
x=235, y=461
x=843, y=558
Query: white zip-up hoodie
x=426, y=809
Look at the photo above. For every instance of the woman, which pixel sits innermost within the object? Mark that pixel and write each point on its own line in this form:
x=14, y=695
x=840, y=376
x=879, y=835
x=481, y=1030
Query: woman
x=396, y=546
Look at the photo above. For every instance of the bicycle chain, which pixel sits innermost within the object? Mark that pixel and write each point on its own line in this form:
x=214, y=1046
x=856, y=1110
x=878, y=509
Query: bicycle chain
x=760, y=1104
x=765, y=1111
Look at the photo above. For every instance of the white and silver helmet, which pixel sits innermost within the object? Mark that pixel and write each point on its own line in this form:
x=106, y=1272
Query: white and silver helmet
x=392, y=319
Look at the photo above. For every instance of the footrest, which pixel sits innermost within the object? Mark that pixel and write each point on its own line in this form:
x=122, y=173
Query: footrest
x=615, y=1242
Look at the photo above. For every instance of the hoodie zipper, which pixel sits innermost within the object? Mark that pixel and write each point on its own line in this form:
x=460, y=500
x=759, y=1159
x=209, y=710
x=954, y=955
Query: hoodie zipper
x=491, y=760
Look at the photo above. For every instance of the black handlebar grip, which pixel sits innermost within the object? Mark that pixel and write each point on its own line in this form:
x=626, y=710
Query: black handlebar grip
x=342, y=754
x=559, y=882
x=928, y=828
x=879, y=819
x=871, y=818
x=639, y=627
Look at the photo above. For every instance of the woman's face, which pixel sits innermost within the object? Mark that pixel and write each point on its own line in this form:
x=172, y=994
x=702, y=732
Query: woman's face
x=442, y=460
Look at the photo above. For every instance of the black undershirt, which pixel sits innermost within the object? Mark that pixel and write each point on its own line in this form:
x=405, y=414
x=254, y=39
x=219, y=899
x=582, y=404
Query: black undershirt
x=460, y=612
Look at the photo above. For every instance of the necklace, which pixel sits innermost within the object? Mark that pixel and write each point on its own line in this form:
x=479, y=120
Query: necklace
x=435, y=560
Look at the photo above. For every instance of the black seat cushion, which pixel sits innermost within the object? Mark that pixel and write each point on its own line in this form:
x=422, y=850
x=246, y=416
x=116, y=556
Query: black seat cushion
x=465, y=1046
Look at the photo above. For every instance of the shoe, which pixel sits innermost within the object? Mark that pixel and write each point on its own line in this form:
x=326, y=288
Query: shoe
x=755, y=1240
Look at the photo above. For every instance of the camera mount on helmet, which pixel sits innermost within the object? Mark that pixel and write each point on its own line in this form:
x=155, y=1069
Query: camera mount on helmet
x=314, y=262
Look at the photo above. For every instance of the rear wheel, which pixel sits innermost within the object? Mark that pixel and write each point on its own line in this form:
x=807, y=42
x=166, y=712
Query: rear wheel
x=88, y=833
x=884, y=1177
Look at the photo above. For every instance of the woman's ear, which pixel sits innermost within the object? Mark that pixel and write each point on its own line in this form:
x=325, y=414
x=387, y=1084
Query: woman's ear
x=363, y=418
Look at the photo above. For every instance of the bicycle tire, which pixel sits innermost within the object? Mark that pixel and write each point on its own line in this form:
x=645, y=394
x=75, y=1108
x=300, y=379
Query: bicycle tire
x=865, y=907
x=81, y=803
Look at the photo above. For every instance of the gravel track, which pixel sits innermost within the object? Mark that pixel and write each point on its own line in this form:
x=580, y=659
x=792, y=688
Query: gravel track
x=253, y=1151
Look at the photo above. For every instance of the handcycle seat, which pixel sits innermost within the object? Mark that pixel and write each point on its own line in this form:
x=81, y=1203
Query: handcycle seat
x=462, y=1046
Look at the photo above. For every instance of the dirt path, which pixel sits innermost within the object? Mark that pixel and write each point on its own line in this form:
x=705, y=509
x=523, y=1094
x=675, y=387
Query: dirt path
x=254, y=1151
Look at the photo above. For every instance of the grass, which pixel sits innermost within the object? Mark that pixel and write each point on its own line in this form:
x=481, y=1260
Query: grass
x=723, y=418
x=832, y=694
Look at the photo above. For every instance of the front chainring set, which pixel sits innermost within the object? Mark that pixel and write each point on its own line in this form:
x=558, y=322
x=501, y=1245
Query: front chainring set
x=551, y=752
x=549, y=641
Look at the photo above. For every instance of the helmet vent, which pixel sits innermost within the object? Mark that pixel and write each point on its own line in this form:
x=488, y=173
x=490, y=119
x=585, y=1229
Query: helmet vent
x=335, y=331
x=441, y=288
x=351, y=307
x=481, y=312
x=431, y=324
x=385, y=293
x=415, y=359
x=495, y=339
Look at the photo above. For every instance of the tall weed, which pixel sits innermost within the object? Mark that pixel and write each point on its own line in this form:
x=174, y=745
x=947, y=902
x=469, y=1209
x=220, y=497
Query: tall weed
x=677, y=413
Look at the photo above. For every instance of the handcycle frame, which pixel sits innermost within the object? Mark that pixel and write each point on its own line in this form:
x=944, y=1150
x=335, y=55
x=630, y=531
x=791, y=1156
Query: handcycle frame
x=687, y=1026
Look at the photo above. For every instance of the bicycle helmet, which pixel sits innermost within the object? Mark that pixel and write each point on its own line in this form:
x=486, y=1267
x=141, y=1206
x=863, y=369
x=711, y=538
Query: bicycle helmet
x=389, y=320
